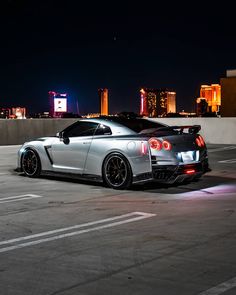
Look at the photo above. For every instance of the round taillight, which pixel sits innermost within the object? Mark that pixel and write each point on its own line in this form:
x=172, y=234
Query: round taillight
x=155, y=144
x=166, y=145
x=198, y=142
x=201, y=140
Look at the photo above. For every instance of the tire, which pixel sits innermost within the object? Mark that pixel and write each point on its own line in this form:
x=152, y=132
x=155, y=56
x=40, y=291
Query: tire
x=30, y=163
x=116, y=171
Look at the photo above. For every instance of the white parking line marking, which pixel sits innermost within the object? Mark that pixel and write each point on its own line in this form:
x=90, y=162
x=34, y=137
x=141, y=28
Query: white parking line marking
x=222, y=149
x=221, y=288
x=19, y=198
x=127, y=219
x=228, y=161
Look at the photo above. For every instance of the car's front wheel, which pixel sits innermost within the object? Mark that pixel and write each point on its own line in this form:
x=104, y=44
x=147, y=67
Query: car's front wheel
x=30, y=163
x=117, y=172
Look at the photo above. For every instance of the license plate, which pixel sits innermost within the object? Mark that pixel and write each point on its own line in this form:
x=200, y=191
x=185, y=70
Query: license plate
x=187, y=156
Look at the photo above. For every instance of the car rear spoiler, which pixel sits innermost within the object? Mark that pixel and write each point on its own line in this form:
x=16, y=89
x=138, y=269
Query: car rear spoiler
x=192, y=129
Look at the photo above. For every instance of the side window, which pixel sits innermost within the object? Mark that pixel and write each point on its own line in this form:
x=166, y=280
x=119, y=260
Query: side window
x=103, y=130
x=81, y=129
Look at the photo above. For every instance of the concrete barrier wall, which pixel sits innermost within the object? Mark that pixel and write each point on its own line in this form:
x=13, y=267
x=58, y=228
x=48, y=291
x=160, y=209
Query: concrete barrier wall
x=214, y=130
x=19, y=131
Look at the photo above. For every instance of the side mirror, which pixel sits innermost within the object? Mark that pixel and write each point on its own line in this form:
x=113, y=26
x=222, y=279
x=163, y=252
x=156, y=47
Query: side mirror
x=60, y=134
x=66, y=140
x=62, y=137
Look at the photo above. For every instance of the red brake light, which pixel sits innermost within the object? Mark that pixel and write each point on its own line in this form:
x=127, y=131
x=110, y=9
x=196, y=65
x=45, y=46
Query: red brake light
x=190, y=171
x=166, y=145
x=155, y=144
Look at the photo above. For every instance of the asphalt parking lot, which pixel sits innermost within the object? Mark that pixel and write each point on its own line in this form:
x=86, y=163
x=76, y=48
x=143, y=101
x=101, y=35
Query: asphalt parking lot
x=60, y=236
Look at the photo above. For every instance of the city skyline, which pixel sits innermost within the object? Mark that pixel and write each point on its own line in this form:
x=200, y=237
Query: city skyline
x=52, y=45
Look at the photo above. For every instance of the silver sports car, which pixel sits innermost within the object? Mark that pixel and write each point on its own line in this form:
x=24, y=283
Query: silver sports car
x=119, y=152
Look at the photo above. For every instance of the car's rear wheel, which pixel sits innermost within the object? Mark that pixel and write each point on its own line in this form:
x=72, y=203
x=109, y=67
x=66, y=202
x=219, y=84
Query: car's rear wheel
x=30, y=163
x=117, y=172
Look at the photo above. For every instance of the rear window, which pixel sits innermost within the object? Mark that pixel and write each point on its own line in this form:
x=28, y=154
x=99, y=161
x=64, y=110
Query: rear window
x=138, y=125
x=103, y=130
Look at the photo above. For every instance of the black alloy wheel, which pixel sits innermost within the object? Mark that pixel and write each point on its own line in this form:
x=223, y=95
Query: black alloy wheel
x=30, y=163
x=117, y=172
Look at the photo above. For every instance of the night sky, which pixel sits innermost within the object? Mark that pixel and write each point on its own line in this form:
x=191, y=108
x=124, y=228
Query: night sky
x=77, y=48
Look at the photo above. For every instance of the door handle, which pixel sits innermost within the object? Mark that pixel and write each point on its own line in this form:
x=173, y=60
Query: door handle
x=86, y=142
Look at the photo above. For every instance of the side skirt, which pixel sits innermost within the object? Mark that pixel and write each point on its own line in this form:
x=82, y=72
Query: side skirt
x=90, y=177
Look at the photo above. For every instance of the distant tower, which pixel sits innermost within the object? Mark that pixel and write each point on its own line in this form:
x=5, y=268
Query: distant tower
x=171, y=102
x=51, y=96
x=143, y=104
x=103, y=99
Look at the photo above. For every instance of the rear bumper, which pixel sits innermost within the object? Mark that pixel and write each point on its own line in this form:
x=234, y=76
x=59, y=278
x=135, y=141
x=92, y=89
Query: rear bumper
x=171, y=173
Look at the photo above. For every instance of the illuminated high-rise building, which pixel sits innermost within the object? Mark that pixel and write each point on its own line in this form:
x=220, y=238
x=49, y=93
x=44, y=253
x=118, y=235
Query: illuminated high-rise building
x=58, y=103
x=143, y=102
x=157, y=102
x=103, y=100
x=212, y=95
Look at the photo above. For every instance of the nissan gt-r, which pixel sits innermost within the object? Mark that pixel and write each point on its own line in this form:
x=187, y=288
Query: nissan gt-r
x=119, y=152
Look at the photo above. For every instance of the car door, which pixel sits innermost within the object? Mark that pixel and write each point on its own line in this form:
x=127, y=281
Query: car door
x=69, y=152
